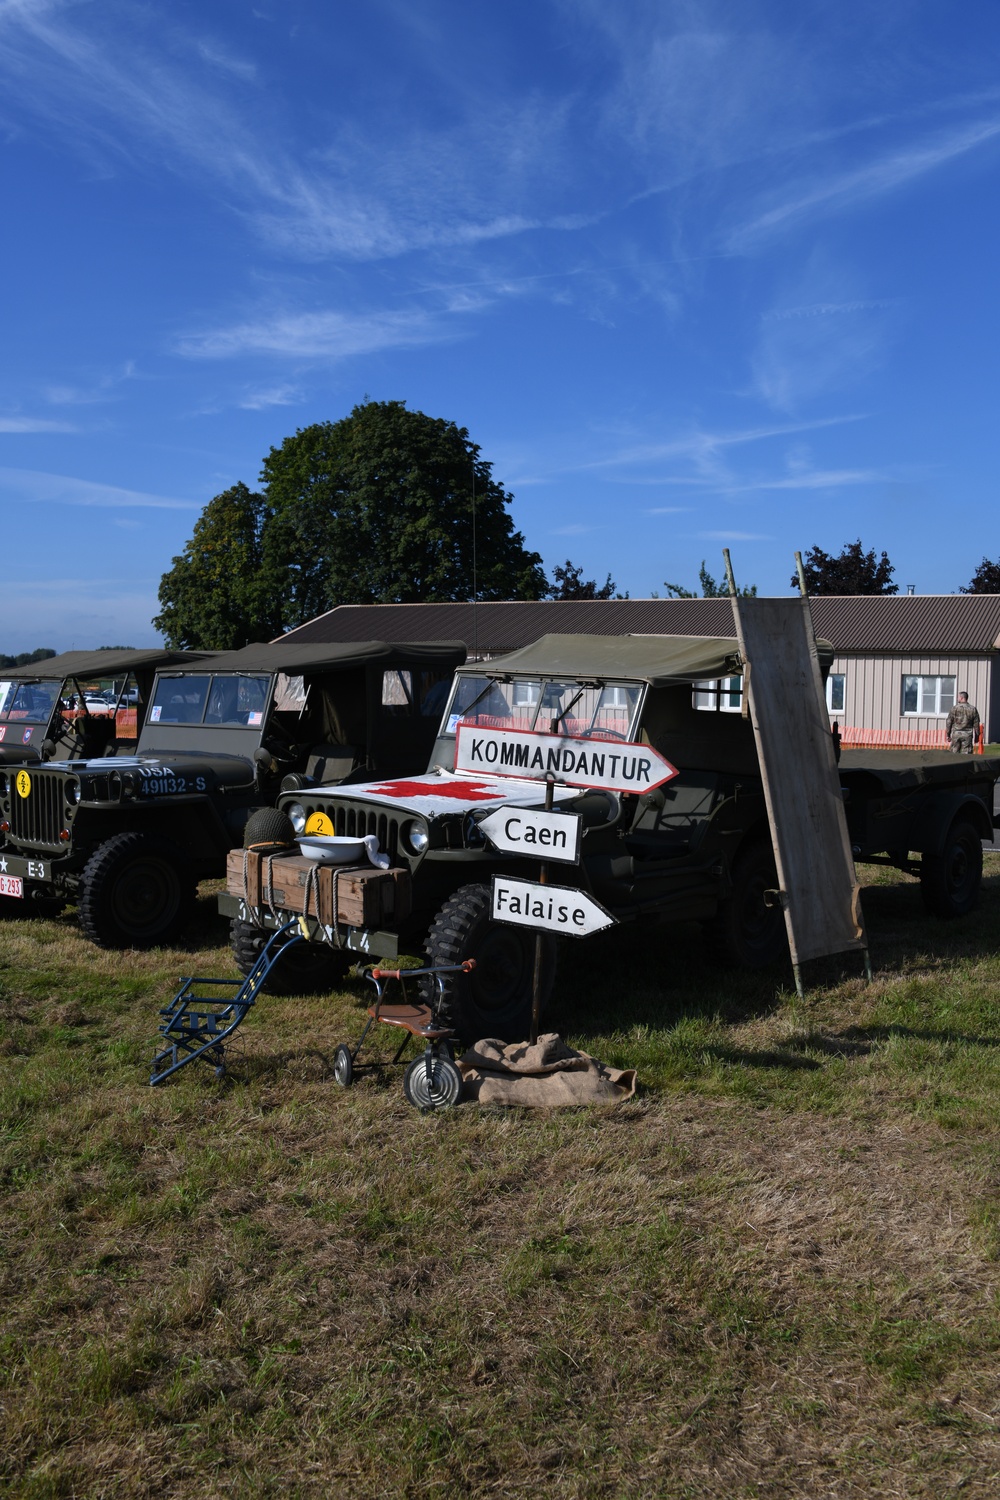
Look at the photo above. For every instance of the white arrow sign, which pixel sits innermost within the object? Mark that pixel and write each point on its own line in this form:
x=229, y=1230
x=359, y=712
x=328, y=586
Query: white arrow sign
x=549, y=908
x=613, y=765
x=546, y=835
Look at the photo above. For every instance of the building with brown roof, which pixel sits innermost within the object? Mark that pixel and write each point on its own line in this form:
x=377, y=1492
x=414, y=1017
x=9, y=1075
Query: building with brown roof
x=899, y=660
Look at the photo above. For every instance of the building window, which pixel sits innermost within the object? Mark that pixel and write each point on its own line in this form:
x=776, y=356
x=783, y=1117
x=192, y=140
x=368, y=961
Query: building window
x=928, y=695
x=719, y=695
x=835, y=692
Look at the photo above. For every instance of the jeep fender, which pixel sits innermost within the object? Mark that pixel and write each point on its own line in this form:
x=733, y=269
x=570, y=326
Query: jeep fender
x=930, y=827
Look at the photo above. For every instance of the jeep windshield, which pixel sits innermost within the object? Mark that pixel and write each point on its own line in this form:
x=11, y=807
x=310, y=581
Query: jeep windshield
x=227, y=699
x=584, y=710
x=28, y=702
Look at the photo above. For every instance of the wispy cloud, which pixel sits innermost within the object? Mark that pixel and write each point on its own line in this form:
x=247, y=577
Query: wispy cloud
x=847, y=189
x=820, y=479
x=279, y=395
x=318, y=335
x=108, y=90
x=61, y=489
x=733, y=536
x=668, y=510
x=701, y=444
x=104, y=389
x=34, y=424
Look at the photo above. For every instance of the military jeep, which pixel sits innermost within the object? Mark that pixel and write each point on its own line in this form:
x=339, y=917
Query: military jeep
x=129, y=837
x=697, y=848
x=79, y=704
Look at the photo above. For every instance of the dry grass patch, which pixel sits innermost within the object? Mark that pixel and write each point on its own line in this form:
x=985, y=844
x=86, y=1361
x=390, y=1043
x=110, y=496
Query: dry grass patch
x=773, y=1274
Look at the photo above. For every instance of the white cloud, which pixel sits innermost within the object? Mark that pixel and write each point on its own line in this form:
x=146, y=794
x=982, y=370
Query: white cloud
x=34, y=424
x=733, y=536
x=844, y=190
x=317, y=335
x=218, y=57
x=61, y=489
x=279, y=395
x=820, y=479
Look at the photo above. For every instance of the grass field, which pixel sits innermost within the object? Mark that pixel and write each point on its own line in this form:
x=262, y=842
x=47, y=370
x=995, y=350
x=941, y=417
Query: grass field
x=773, y=1273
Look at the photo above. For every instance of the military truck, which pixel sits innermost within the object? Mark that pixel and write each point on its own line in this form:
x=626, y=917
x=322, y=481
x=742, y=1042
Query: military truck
x=697, y=848
x=48, y=710
x=129, y=837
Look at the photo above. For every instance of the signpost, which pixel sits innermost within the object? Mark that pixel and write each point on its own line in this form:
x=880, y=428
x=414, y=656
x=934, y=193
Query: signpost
x=549, y=908
x=524, y=830
x=610, y=765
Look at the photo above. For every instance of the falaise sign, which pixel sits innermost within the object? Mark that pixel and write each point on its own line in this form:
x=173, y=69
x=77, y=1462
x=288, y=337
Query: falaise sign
x=611, y=765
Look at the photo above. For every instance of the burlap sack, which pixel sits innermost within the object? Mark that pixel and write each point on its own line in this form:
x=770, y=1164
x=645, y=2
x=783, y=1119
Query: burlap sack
x=545, y=1076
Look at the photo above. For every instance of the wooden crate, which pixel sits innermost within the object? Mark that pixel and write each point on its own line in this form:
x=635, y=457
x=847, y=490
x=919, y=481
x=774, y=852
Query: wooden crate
x=365, y=897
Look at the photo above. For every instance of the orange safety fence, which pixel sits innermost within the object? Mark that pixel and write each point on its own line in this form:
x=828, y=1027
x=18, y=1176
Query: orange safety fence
x=853, y=738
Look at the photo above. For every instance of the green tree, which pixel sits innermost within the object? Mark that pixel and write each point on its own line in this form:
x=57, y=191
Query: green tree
x=855, y=571
x=985, y=580
x=568, y=583
x=378, y=508
x=709, y=588
x=26, y=658
x=220, y=594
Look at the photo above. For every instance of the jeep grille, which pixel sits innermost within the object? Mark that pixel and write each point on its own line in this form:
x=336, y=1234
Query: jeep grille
x=357, y=822
x=37, y=818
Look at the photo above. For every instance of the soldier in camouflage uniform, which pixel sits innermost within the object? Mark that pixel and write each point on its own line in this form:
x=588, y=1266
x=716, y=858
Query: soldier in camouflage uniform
x=962, y=726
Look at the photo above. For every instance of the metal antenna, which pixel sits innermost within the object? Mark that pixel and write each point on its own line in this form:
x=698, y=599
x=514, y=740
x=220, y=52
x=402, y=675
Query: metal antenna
x=475, y=585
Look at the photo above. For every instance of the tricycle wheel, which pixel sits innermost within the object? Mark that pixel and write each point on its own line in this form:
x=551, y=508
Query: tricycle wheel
x=495, y=999
x=343, y=1066
x=307, y=969
x=949, y=881
x=439, y=1090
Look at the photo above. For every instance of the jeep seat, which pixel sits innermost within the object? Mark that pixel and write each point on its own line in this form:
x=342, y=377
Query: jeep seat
x=678, y=826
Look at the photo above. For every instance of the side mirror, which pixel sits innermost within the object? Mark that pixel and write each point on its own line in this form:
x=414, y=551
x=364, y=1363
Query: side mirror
x=264, y=761
x=48, y=749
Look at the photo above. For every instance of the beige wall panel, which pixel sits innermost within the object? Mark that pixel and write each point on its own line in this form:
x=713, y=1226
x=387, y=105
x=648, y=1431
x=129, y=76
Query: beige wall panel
x=873, y=689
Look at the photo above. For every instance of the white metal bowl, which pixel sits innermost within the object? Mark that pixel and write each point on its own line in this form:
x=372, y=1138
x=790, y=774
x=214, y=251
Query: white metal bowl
x=332, y=849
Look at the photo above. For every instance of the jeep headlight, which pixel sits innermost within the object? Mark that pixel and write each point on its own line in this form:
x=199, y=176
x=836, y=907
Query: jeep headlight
x=73, y=791
x=416, y=836
x=297, y=813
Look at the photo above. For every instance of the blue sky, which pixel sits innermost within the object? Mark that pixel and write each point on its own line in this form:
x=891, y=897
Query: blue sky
x=693, y=274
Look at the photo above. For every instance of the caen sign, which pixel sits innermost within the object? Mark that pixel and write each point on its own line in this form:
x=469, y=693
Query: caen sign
x=525, y=830
x=612, y=765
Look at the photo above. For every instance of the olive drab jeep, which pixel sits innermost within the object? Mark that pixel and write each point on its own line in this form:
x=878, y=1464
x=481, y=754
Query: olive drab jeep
x=696, y=848
x=79, y=704
x=127, y=837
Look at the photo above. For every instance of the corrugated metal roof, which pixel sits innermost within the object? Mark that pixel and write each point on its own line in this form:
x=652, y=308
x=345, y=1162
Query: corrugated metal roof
x=946, y=624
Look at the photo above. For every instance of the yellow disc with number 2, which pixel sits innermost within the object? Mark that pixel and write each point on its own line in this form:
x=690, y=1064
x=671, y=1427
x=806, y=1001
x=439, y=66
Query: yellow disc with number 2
x=23, y=783
x=319, y=823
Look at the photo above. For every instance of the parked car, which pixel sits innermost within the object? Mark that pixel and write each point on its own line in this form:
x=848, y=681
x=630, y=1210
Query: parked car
x=129, y=838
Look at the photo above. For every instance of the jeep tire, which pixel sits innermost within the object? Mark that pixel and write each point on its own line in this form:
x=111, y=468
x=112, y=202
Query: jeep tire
x=308, y=969
x=495, y=999
x=134, y=892
x=950, y=881
x=751, y=933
